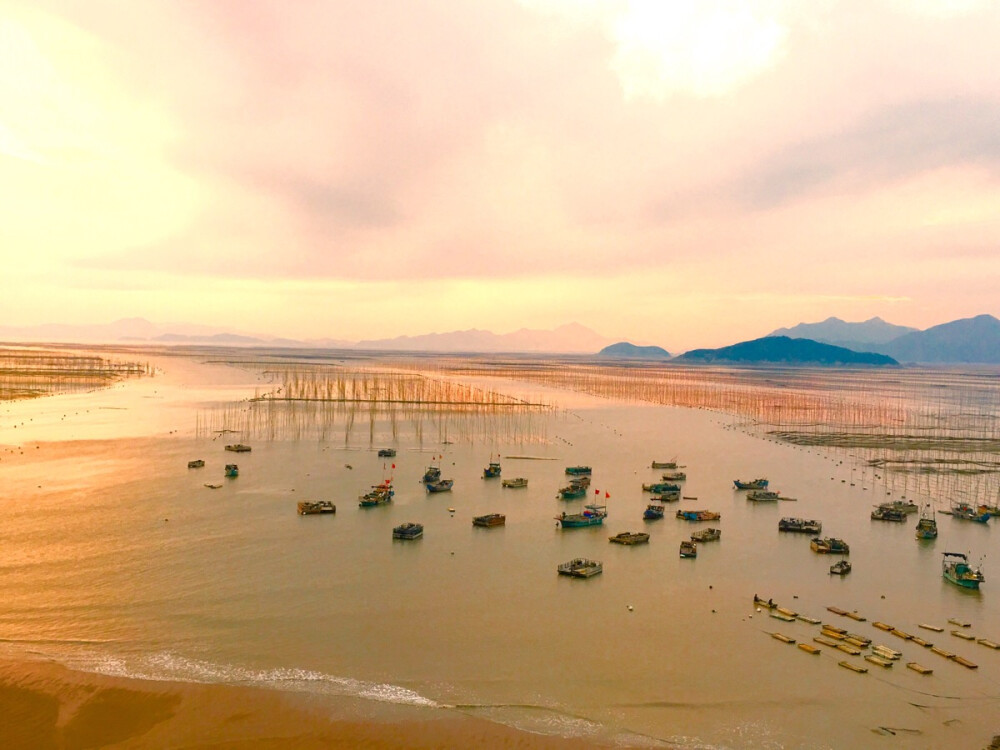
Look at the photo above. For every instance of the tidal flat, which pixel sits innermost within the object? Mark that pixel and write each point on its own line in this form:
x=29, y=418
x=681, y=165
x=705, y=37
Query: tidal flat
x=117, y=560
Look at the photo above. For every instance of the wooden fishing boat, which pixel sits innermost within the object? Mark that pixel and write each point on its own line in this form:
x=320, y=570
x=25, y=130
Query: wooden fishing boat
x=674, y=476
x=572, y=492
x=666, y=497
x=882, y=513
x=829, y=546
x=492, y=471
x=577, y=470
x=786, y=611
x=837, y=611
x=441, y=485
x=753, y=484
x=238, y=448
x=800, y=525
x=960, y=623
x=431, y=474
x=847, y=648
x=313, y=508
x=699, y=515
x=516, y=482
x=580, y=568
x=653, y=513
x=901, y=506
x=196, y=464
x=782, y=637
x=659, y=488
x=490, y=520
x=963, y=635
x=919, y=668
x=833, y=634
x=809, y=649
x=380, y=494
x=780, y=616
x=965, y=512
x=593, y=515
x=810, y=620
x=964, y=662
x=629, y=538
x=387, y=453
x=988, y=643
x=901, y=634
x=765, y=603
x=881, y=661
x=408, y=530
x=920, y=641
x=232, y=470
x=664, y=465
x=853, y=667
x=706, y=535
x=855, y=616
x=841, y=568
x=689, y=549
x=955, y=568
x=942, y=652
x=826, y=641
x=927, y=525
x=881, y=625
x=761, y=496
x=886, y=652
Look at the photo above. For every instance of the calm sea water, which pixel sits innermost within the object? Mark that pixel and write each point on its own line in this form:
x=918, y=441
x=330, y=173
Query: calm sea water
x=114, y=557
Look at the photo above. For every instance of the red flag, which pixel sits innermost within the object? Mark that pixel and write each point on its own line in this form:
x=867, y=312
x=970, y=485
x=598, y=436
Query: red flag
x=607, y=495
x=597, y=492
x=394, y=466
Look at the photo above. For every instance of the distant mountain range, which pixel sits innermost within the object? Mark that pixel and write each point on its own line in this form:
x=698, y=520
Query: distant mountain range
x=572, y=338
x=966, y=341
x=625, y=350
x=784, y=350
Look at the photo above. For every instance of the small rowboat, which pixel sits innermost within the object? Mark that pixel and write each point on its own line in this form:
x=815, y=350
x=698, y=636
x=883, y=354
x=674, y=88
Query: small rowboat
x=963, y=636
x=809, y=649
x=942, y=652
x=837, y=610
x=826, y=641
x=935, y=628
x=849, y=649
x=901, y=634
x=783, y=618
x=882, y=625
x=810, y=620
x=921, y=642
x=782, y=637
x=886, y=653
x=988, y=643
x=833, y=634
x=853, y=667
x=918, y=668
x=834, y=629
x=960, y=623
x=855, y=616
x=964, y=662
x=787, y=611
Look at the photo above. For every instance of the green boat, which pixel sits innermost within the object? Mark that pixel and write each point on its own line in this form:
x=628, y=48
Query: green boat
x=593, y=515
x=955, y=568
x=572, y=492
x=578, y=470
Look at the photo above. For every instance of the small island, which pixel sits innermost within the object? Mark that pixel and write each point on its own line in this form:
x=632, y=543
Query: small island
x=625, y=350
x=785, y=351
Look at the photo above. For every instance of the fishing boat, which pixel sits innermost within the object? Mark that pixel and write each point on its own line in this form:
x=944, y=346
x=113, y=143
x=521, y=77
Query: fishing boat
x=765, y=603
x=841, y=568
x=232, y=470
x=674, y=476
x=659, y=488
x=578, y=470
x=955, y=568
x=432, y=474
x=380, y=494
x=196, y=464
x=927, y=525
x=667, y=497
x=238, y=448
x=829, y=546
x=753, y=484
x=653, y=513
x=664, y=465
x=884, y=513
x=629, y=538
x=441, y=485
x=800, y=525
x=706, y=535
x=966, y=512
x=572, y=492
x=699, y=515
x=320, y=506
x=762, y=495
x=580, y=568
x=689, y=549
x=492, y=471
x=387, y=453
x=408, y=531
x=901, y=506
x=517, y=482
x=490, y=519
x=593, y=515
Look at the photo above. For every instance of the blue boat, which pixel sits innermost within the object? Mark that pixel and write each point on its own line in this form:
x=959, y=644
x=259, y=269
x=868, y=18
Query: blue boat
x=593, y=515
x=408, y=531
x=432, y=474
x=572, y=492
x=753, y=484
x=442, y=485
x=492, y=471
x=927, y=525
x=381, y=494
x=955, y=568
x=660, y=488
x=232, y=470
x=578, y=470
x=653, y=513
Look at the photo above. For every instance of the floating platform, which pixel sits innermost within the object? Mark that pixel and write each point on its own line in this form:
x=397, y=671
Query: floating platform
x=855, y=616
x=921, y=642
x=935, y=628
x=858, y=641
x=849, y=649
x=964, y=636
x=786, y=611
x=833, y=634
x=782, y=637
x=918, y=667
x=901, y=634
x=942, y=652
x=826, y=641
x=886, y=653
x=810, y=620
x=988, y=643
x=837, y=610
x=960, y=623
x=834, y=629
x=783, y=618
x=853, y=667
x=809, y=649
x=964, y=662
x=882, y=625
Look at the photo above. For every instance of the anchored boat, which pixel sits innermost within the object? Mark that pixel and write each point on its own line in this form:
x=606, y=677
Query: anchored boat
x=829, y=546
x=689, y=549
x=238, y=448
x=885, y=513
x=380, y=494
x=706, y=535
x=492, y=471
x=320, y=506
x=578, y=470
x=442, y=485
x=580, y=568
x=196, y=464
x=674, y=476
x=800, y=525
x=629, y=538
x=593, y=515
x=927, y=526
x=387, y=453
x=841, y=568
x=518, y=482
x=653, y=513
x=664, y=465
x=408, y=531
x=232, y=470
x=761, y=495
x=955, y=568
x=753, y=484
x=490, y=519
x=699, y=515
x=661, y=487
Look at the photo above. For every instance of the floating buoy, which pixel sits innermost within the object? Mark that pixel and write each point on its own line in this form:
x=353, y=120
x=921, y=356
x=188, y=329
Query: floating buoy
x=630, y=608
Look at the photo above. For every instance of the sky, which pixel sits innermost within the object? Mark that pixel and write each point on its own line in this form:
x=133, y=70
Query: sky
x=686, y=174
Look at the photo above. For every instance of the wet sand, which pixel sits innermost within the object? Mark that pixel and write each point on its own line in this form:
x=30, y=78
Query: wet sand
x=45, y=705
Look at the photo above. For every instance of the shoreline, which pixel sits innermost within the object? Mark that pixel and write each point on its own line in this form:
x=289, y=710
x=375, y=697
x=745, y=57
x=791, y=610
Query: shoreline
x=47, y=705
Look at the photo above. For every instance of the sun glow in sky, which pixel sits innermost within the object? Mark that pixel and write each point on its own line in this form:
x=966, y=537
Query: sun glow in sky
x=682, y=174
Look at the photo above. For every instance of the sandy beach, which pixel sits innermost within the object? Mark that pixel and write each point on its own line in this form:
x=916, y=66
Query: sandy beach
x=45, y=705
